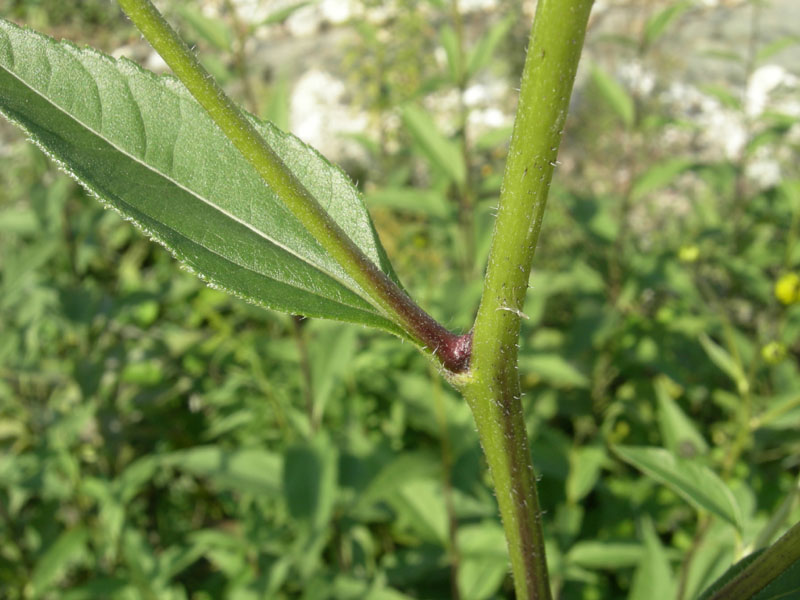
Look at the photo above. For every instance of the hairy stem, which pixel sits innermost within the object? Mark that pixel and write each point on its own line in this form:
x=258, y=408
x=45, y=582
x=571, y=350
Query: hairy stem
x=492, y=385
x=450, y=349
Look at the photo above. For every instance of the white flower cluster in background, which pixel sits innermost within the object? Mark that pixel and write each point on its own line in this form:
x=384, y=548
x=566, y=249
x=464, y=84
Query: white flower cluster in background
x=762, y=87
x=321, y=116
x=485, y=101
x=723, y=131
x=636, y=78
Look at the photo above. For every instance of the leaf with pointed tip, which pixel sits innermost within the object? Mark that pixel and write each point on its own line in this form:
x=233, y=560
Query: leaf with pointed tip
x=616, y=96
x=694, y=482
x=442, y=152
x=143, y=146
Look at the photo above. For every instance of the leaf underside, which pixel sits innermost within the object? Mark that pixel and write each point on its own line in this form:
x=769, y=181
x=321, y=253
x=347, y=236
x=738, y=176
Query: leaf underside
x=145, y=147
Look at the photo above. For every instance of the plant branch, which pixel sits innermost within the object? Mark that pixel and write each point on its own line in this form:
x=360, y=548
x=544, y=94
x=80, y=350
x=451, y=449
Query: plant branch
x=764, y=569
x=450, y=349
x=492, y=385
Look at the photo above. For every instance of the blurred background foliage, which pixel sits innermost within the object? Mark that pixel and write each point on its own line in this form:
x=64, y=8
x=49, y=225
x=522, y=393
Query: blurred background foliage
x=161, y=440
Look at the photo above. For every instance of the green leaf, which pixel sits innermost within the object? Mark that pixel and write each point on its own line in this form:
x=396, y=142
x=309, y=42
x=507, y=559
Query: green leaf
x=554, y=370
x=616, y=96
x=420, y=507
x=731, y=573
x=99, y=587
x=585, y=466
x=678, y=433
x=777, y=46
x=249, y=470
x=484, y=560
x=654, y=571
x=725, y=96
x=443, y=153
x=782, y=412
x=447, y=36
x=277, y=108
x=214, y=31
x=659, y=176
x=486, y=46
x=786, y=585
x=281, y=14
x=605, y=555
x=67, y=549
x=331, y=361
x=407, y=467
x=695, y=483
x=713, y=555
x=658, y=23
x=145, y=147
x=309, y=481
x=720, y=357
x=411, y=200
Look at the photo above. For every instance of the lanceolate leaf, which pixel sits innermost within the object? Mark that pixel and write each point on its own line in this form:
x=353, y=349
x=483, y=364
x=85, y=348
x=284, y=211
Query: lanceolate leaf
x=145, y=147
x=696, y=483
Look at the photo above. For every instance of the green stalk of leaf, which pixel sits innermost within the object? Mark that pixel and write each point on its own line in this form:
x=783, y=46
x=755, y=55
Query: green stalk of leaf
x=145, y=147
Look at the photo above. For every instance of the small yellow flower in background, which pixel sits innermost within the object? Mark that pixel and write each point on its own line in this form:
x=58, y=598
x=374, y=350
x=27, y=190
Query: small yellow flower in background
x=787, y=288
x=689, y=254
x=773, y=353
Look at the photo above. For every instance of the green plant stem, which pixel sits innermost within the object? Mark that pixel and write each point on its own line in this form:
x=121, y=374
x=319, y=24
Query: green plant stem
x=764, y=569
x=492, y=385
x=450, y=349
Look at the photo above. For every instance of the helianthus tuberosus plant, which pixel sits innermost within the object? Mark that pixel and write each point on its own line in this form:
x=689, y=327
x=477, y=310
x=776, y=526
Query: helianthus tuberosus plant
x=254, y=211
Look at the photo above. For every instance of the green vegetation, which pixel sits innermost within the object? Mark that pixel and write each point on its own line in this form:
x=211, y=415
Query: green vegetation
x=161, y=439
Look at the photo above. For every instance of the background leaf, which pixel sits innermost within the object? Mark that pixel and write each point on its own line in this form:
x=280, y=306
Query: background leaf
x=616, y=96
x=486, y=46
x=679, y=434
x=443, y=153
x=654, y=571
x=697, y=484
x=722, y=358
x=659, y=22
x=67, y=549
x=247, y=470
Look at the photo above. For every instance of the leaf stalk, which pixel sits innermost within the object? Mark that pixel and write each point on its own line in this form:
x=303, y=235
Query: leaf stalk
x=450, y=349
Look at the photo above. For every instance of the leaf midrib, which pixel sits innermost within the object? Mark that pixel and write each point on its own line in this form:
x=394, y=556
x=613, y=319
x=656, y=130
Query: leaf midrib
x=348, y=285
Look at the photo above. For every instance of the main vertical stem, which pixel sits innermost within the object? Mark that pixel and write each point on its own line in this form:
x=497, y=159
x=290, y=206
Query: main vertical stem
x=491, y=386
